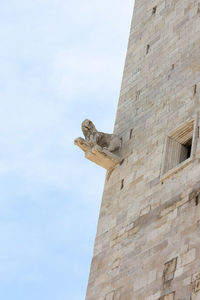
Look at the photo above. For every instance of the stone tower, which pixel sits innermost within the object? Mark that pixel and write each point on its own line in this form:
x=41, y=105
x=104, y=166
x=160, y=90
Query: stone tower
x=147, y=245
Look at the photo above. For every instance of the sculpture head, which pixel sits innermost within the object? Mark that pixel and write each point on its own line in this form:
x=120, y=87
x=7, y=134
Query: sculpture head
x=88, y=128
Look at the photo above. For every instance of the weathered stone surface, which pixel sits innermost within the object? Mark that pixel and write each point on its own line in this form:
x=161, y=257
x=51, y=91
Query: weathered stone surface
x=147, y=245
x=168, y=297
x=110, y=296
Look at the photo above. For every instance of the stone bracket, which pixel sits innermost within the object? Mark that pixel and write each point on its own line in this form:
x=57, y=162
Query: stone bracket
x=101, y=148
x=102, y=157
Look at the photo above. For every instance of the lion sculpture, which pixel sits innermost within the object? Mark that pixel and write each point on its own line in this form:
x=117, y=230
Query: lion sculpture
x=93, y=137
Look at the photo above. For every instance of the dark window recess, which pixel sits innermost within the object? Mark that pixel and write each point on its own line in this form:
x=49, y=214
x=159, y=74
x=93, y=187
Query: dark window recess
x=148, y=48
x=121, y=162
x=154, y=10
x=131, y=133
x=122, y=184
x=195, y=89
x=186, y=151
x=197, y=200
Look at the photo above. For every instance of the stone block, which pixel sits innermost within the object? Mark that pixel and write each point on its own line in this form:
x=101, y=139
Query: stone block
x=169, y=270
x=168, y=297
x=189, y=257
x=178, y=272
x=145, y=210
x=153, y=297
x=116, y=263
x=152, y=276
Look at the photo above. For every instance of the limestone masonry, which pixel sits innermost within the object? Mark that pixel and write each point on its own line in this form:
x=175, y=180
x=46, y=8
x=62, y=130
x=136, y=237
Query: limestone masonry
x=147, y=245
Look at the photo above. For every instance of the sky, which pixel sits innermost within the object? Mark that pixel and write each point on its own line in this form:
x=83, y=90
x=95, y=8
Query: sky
x=61, y=62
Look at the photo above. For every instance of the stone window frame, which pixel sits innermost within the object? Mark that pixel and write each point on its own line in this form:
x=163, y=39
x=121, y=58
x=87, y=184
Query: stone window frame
x=173, y=135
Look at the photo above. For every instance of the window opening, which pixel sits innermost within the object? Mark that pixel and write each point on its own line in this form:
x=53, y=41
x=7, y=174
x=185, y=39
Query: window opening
x=186, y=151
x=197, y=200
x=179, y=146
x=131, y=133
x=122, y=184
x=121, y=162
x=195, y=89
x=148, y=48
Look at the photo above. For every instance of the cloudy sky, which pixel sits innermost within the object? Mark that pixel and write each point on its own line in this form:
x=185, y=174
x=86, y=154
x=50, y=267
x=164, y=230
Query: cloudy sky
x=61, y=62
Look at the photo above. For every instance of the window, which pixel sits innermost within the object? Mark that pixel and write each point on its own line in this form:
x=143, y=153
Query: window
x=179, y=146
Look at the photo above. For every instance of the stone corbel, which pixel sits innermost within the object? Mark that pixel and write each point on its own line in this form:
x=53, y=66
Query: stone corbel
x=100, y=148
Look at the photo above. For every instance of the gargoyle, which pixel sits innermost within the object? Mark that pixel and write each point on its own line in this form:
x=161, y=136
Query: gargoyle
x=93, y=137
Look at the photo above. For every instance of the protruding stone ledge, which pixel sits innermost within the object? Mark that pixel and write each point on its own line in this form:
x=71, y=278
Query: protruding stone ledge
x=102, y=157
x=100, y=148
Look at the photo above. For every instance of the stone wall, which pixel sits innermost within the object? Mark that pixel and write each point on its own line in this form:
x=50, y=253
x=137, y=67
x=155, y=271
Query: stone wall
x=148, y=238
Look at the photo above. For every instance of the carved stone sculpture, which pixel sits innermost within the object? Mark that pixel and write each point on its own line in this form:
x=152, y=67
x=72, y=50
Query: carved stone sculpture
x=101, y=148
